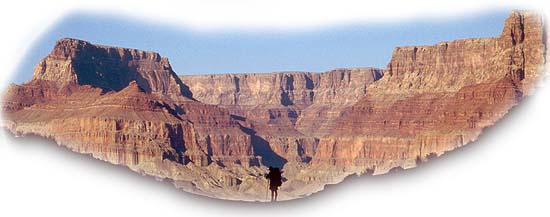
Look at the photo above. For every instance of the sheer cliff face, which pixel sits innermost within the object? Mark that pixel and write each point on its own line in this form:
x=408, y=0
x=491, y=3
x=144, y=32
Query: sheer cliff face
x=433, y=99
x=215, y=135
x=109, y=68
x=339, y=86
x=449, y=66
x=289, y=110
x=138, y=114
x=304, y=102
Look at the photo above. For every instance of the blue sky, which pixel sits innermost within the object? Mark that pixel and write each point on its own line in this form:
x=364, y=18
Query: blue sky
x=234, y=51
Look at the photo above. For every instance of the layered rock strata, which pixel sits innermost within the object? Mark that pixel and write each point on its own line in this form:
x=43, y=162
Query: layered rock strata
x=215, y=135
x=289, y=110
x=436, y=98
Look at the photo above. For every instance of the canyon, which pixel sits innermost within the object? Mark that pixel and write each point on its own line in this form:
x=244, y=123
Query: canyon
x=216, y=135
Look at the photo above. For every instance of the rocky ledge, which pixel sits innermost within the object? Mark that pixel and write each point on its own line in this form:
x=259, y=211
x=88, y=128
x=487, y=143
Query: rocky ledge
x=215, y=135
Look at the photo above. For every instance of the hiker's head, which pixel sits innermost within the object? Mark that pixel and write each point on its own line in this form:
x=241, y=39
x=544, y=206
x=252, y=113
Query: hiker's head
x=273, y=169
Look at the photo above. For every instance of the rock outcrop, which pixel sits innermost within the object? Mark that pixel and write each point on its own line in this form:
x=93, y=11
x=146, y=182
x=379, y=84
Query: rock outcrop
x=287, y=110
x=149, y=124
x=433, y=99
x=339, y=86
x=109, y=68
x=215, y=135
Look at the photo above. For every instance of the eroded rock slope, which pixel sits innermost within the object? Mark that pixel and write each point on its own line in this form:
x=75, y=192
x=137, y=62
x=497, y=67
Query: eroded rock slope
x=215, y=135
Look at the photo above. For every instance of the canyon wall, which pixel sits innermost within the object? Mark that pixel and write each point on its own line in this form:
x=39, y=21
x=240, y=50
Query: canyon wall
x=433, y=99
x=288, y=110
x=216, y=135
x=339, y=86
x=109, y=68
x=140, y=116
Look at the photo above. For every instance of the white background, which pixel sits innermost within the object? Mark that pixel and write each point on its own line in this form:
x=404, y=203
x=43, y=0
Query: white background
x=504, y=173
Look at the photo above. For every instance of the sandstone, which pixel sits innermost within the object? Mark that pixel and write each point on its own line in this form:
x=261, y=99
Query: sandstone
x=108, y=68
x=434, y=99
x=215, y=135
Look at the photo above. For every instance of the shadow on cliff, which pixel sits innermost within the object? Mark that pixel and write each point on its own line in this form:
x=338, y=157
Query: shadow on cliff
x=113, y=76
x=263, y=149
x=121, y=174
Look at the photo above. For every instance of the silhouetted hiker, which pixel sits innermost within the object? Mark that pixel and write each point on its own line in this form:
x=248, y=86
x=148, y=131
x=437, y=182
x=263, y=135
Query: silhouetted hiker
x=275, y=181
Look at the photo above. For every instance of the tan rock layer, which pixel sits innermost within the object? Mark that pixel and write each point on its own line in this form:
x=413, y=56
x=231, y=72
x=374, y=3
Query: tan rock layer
x=128, y=107
x=436, y=98
x=109, y=68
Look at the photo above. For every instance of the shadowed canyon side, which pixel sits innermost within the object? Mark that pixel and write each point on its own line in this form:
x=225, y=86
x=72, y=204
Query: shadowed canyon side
x=216, y=135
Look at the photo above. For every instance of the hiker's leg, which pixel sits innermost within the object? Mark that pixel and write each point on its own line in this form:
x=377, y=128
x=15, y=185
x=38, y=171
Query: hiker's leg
x=276, y=194
x=272, y=195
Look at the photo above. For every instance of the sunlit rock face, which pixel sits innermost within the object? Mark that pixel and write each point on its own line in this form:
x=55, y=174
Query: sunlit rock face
x=435, y=98
x=215, y=135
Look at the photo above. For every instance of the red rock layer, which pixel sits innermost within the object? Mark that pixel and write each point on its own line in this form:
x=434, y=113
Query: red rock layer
x=286, y=109
x=109, y=68
x=78, y=97
x=433, y=99
x=128, y=107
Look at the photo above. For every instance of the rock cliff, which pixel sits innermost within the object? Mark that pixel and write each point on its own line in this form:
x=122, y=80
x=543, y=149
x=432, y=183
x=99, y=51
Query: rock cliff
x=149, y=124
x=436, y=98
x=215, y=135
x=289, y=110
x=109, y=68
